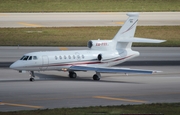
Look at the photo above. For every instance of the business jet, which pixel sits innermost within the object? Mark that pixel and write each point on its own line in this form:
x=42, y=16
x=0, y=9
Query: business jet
x=102, y=54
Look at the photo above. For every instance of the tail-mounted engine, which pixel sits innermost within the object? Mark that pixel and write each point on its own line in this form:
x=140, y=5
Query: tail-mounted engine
x=100, y=44
x=99, y=57
x=106, y=57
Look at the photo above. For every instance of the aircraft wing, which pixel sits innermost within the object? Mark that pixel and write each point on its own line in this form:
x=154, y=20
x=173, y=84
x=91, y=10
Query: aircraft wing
x=110, y=70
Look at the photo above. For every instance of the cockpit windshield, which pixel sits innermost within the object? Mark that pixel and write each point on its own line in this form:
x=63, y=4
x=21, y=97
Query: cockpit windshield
x=22, y=58
x=30, y=58
x=25, y=57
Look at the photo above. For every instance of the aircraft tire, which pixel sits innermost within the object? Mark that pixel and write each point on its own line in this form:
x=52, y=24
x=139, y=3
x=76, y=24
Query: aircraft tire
x=31, y=79
x=96, y=77
x=72, y=75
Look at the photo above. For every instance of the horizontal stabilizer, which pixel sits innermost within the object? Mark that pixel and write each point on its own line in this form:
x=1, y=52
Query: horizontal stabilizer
x=110, y=70
x=141, y=40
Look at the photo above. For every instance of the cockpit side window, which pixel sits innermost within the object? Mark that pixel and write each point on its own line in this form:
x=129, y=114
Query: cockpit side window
x=26, y=57
x=35, y=58
x=30, y=58
x=22, y=58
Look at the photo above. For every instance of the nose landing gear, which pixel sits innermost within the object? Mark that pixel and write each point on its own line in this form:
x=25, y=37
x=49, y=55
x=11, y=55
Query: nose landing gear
x=31, y=74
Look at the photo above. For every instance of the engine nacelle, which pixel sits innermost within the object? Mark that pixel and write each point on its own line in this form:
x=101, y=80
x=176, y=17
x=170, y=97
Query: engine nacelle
x=100, y=44
x=99, y=57
x=106, y=57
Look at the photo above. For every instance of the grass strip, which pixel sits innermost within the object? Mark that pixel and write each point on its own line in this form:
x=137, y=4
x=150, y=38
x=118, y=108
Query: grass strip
x=154, y=109
x=89, y=5
x=79, y=36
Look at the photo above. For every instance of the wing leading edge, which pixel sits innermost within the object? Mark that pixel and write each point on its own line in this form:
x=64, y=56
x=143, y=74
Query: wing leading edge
x=111, y=70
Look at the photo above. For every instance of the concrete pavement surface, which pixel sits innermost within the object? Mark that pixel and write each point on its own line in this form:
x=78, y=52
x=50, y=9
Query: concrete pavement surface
x=16, y=20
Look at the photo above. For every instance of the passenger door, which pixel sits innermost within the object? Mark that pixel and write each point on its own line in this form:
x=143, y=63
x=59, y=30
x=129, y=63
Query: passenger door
x=78, y=57
x=45, y=62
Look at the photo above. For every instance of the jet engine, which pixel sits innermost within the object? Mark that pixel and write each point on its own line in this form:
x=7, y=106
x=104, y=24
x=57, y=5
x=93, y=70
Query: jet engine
x=99, y=57
x=105, y=57
x=99, y=44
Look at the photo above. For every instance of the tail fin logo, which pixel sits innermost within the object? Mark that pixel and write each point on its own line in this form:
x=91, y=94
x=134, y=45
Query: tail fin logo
x=131, y=21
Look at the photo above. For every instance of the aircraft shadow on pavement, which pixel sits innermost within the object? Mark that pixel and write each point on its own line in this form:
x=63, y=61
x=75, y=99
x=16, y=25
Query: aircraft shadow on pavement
x=19, y=80
x=45, y=77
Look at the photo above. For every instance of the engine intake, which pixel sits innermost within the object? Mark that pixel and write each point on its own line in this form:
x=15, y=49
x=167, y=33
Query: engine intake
x=90, y=44
x=100, y=44
x=99, y=57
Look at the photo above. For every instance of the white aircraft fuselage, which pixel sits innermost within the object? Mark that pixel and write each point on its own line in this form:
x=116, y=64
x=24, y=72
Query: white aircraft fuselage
x=62, y=60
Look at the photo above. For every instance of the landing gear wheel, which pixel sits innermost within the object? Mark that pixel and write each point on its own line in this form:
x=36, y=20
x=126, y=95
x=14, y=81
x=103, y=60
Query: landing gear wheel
x=31, y=79
x=72, y=75
x=96, y=77
x=31, y=74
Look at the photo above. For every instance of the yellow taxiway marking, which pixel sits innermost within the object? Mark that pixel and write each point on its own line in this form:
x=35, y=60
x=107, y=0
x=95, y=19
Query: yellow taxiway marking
x=120, y=99
x=119, y=22
x=63, y=48
x=2, y=14
x=21, y=105
x=106, y=12
x=30, y=25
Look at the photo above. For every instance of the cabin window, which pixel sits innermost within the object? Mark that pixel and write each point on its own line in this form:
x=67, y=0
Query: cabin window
x=34, y=57
x=60, y=57
x=83, y=56
x=74, y=57
x=30, y=58
x=69, y=57
x=26, y=57
x=64, y=57
x=56, y=57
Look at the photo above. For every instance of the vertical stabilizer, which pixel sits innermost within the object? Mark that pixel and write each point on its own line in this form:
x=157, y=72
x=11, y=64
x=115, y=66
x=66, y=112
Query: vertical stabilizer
x=129, y=27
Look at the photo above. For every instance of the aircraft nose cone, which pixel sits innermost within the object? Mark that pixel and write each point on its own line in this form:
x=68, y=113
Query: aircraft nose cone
x=12, y=66
x=15, y=65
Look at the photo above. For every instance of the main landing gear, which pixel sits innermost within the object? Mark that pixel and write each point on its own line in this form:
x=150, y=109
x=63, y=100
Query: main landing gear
x=97, y=76
x=72, y=74
x=31, y=73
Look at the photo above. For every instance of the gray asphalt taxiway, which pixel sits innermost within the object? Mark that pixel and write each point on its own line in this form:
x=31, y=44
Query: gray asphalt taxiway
x=55, y=90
